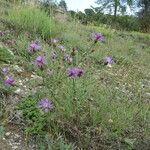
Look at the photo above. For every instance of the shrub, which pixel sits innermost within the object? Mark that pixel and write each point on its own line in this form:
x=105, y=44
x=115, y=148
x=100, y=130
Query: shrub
x=30, y=113
x=33, y=20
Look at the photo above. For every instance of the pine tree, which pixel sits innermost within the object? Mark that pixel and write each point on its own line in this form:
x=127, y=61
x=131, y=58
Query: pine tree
x=144, y=15
x=114, y=5
x=63, y=5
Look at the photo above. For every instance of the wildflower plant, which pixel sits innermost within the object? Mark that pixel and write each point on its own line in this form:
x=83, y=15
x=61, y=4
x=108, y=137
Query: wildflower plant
x=34, y=46
x=58, y=77
x=45, y=104
x=97, y=37
x=5, y=71
x=108, y=60
x=40, y=61
x=9, y=80
x=75, y=72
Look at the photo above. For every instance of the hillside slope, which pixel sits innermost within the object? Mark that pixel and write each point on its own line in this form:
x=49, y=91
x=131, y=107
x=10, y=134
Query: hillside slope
x=68, y=86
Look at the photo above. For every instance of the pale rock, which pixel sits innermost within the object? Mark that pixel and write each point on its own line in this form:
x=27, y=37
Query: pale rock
x=7, y=133
x=109, y=65
x=17, y=68
x=15, y=147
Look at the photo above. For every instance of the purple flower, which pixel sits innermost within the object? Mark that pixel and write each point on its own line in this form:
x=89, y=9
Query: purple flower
x=40, y=61
x=45, y=104
x=75, y=72
x=2, y=33
x=108, y=60
x=5, y=71
x=9, y=80
x=97, y=37
x=33, y=47
x=68, y=58
x=62, y=48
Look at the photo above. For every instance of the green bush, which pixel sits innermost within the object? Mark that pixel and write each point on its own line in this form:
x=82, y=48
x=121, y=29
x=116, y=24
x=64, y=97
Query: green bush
x=33, y=20
x=35, y=119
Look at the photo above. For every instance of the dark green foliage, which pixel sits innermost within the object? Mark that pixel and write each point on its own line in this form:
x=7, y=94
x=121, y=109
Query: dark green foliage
x=35, y=119
x=144, y=15
x=124, y=22
x=89, y=14
x=49, y=6
x=113, y=5
x=63, y=5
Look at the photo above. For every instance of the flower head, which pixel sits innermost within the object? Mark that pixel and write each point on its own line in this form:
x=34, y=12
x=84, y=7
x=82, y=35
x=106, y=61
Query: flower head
x=9, y=80
x=5, y=71
x=2, y=33
x=75, y=72
x=33, y=47
x=108, y=60
x=45, y=104
x=62, y=48
x=40, y=61
x=97, y=37
x=68, y=58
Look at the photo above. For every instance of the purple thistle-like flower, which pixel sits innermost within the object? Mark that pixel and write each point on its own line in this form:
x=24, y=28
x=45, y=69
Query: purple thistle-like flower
x=9, y=80
x=68, y=58
x=108, y=60
x=97, y=37
x=40, y=61
x=33, y=47
x=5, y=71
x=75, y=72
x=45, y=104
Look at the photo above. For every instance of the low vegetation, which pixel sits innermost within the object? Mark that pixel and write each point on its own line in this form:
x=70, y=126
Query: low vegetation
x=68, y=86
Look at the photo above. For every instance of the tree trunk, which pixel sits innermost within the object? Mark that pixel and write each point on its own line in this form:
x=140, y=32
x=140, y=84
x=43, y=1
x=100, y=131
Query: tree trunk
x=115, y=10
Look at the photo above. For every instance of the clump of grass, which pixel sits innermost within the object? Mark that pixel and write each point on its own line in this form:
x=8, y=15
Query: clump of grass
x=33, y=20
x=5, y=55
x=47, y=142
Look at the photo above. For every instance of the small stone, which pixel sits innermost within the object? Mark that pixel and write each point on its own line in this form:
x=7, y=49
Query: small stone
x=17, y=68
x=17, y=91
x=14, y=147
x=109, y=65
x=16, y=135
x=16, y=143
x=10, y=143
x=7, y=133
x=20, y=82
x=147, y=94
x=36, y=77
